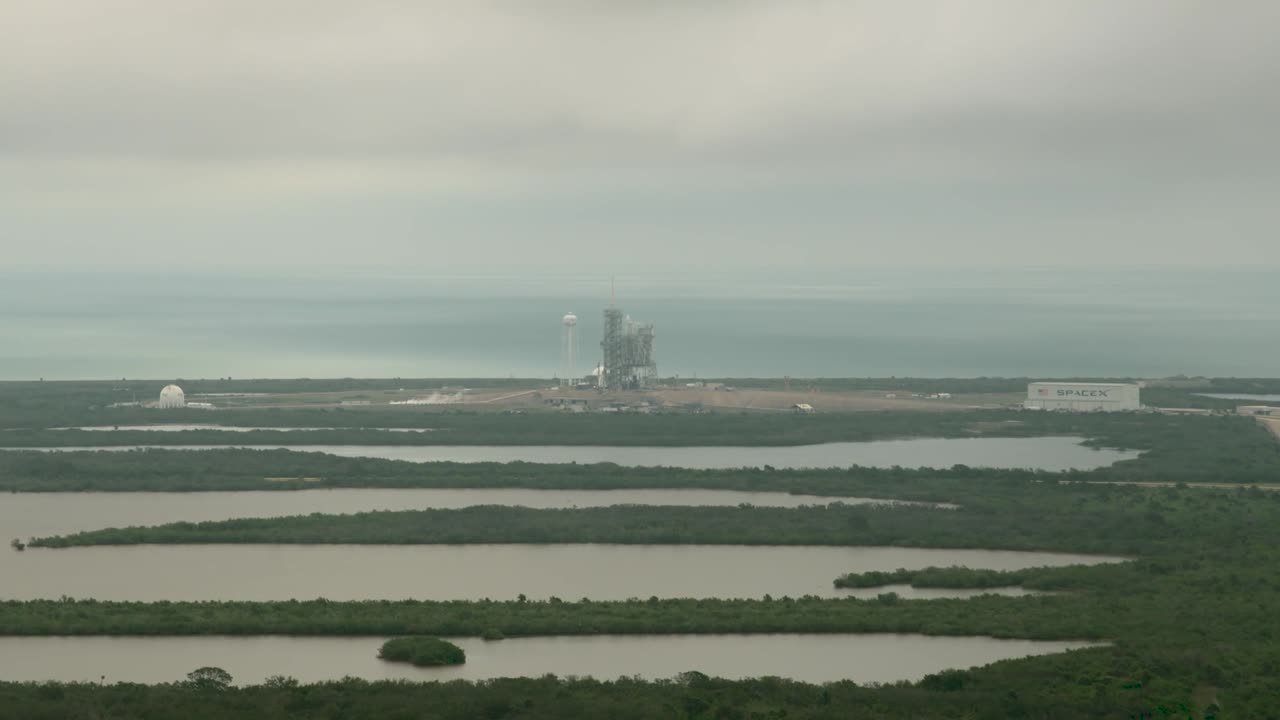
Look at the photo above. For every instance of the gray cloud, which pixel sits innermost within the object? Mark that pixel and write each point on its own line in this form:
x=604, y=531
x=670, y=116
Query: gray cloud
x=853, y=131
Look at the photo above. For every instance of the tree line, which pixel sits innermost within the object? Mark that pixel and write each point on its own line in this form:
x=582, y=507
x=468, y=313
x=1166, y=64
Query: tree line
x=1014, y=515
x=999, y=691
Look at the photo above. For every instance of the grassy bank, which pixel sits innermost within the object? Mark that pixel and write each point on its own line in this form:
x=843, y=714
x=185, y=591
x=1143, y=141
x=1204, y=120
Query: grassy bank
x=1015, y=515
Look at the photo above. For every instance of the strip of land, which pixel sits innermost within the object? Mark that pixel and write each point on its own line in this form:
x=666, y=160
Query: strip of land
x=1010, y=515
x=1190, y=449
x=1272, y=424
x=1040, y=617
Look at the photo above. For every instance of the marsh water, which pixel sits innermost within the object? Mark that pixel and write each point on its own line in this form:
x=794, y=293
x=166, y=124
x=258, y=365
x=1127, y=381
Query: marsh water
x=1041, y=453
x=865, y=658
x=27, y=515
x=470, y=572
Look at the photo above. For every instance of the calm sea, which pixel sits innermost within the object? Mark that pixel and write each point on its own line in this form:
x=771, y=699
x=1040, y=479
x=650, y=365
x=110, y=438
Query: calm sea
x=965, y=322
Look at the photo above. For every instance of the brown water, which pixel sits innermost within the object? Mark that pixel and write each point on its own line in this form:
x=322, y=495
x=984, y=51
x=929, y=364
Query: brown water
x=1043, y=453
x=250, y=660
x=26, y=515
x=466, y=572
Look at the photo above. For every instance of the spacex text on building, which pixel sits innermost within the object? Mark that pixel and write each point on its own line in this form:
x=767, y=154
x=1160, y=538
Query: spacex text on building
x=1082, y=396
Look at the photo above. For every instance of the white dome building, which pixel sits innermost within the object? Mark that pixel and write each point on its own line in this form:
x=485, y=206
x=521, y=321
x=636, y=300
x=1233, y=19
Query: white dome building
x=172, y=397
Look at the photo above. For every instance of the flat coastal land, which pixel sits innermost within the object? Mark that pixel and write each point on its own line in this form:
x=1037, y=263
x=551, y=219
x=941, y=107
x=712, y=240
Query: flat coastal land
x=1153, y=556
x=1272, y=424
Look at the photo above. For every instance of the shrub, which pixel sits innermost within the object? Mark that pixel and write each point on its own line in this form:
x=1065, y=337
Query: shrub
x=422, y=651
x=209, y=678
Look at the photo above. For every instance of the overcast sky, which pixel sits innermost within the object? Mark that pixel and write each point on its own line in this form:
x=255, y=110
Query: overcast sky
x=611, y=135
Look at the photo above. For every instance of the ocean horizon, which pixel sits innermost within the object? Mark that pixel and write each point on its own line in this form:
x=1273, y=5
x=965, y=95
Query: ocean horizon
x=1110, y=322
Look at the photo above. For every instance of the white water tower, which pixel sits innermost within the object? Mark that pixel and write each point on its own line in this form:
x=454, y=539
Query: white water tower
x=569, y=350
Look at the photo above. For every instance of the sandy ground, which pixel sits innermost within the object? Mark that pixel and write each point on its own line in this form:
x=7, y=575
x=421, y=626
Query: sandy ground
x=764, y=400
x=682, y=397
x=381, y=398
x=822, y=401
x=1272, y=423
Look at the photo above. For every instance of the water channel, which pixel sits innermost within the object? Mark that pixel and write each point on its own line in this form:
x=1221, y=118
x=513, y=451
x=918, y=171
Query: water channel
x=1043, y=453
x=471, y=572
x=865, y=658
x=27, y=515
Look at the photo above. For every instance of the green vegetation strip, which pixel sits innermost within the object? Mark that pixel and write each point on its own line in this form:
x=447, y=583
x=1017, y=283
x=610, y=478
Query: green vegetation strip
x=641, y=524
x=622, y=429
x=1083, y=616
x=953, y=577
x=1076, y=685
x=234, y=469
x=1012, y=515
x=1176, y=448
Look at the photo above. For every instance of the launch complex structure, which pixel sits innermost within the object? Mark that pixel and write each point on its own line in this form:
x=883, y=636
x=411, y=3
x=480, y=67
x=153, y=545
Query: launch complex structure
x=628, y=362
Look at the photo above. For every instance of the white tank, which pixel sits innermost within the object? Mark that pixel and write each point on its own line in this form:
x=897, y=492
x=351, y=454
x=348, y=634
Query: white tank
x=569, y=350
x=172, y=397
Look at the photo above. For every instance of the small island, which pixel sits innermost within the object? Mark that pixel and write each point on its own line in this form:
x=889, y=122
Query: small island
x=422, y=651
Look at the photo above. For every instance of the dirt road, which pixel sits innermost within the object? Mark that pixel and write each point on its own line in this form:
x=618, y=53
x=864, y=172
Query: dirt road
x=1272, y=423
